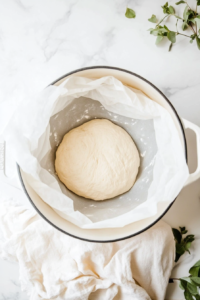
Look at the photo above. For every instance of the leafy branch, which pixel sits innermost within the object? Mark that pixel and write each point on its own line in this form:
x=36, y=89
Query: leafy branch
x=182, y=244
x=191, y=284
x=190, y=20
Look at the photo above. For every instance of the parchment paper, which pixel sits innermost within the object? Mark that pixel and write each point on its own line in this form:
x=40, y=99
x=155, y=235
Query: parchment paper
x=38, y=127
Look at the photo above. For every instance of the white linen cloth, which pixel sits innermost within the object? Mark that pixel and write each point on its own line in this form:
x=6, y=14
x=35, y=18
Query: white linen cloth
x=56, y=266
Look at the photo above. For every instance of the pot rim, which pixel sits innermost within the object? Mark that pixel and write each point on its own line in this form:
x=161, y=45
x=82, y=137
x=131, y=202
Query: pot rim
x=185, y=148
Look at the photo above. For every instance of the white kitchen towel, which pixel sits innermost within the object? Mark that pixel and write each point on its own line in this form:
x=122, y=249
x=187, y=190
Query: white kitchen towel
x=56, y=266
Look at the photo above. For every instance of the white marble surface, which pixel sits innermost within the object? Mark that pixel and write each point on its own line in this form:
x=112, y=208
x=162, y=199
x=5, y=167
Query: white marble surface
x=41, y=40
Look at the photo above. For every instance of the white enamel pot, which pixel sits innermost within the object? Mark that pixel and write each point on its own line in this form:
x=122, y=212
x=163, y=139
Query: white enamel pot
x=115, y=234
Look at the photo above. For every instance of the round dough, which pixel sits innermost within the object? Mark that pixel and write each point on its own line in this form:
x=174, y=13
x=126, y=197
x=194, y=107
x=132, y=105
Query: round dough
x=97, y=160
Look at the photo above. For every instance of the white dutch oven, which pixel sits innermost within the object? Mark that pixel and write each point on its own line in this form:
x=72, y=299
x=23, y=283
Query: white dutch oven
x=115, y=234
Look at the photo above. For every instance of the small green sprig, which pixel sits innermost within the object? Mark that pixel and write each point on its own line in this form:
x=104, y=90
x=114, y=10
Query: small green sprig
x=183, y=244
x=191, y=284
x=190, y=20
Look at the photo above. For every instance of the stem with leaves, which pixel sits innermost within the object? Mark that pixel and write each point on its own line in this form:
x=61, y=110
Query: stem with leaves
x=190, y=18
x=183, y=243
x=190, y=284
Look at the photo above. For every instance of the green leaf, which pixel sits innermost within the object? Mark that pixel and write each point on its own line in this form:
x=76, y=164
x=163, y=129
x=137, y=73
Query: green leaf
x=180, y=2
x=177, y=235
x=197, y=297
x=153, y=19
x=183, y=230
x=170, y=48
x=159, y=39
x=183, y=284
x=171, y=36
x=198, y=2
x=196, y=280
x=161, y=31
x=187, y=295
x=198, y=42
x=171, y=10
x=130, y=13
x=194, y=271
x=197, y=20
x=197, y=264
x=189, y=238
x=190, y=15
x=154, y=31
x=192, y=20
x=192, y=288
x=166, y=28
x=165, y=8
x=188, y=245
x=180, y=249
x=182, y=245
x=184, y=26
x=168, y=9
x=185, y=16
x=188, y=279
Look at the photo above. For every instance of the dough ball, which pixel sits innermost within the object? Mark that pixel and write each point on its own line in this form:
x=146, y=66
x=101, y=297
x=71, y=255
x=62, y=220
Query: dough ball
x=97, y=160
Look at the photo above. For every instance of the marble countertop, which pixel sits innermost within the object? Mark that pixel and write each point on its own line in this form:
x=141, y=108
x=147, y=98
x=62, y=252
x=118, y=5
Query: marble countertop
x=42, y=40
